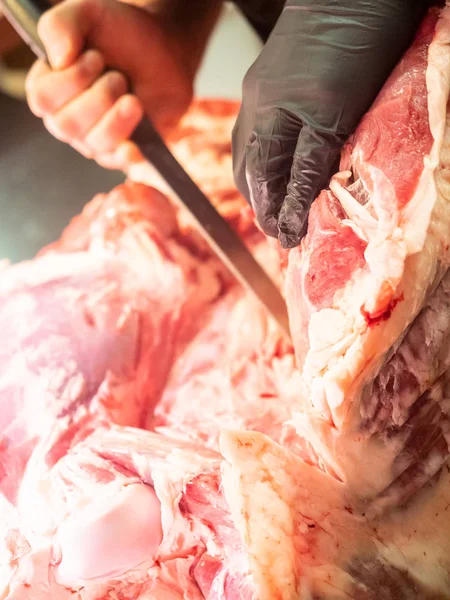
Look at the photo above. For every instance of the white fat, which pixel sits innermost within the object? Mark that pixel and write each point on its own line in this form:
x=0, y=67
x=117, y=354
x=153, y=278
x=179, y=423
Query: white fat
x=396, y=275
x=109, y=537
x=326, y=328
x=262, y=516
x=360, y=220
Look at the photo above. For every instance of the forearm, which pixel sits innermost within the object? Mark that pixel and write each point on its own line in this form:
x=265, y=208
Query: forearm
x=190, y=21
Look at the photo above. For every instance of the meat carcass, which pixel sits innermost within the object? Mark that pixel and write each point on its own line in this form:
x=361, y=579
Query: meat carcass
x=90, y=328
x=240, y=360
x=129, y=514
x=375, y=257
x=305, y=539
x=129, y=259
x=298, y=507
x=132, y=514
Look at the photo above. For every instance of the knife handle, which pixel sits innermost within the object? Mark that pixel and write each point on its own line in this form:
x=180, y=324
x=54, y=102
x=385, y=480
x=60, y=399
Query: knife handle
x=24, y=16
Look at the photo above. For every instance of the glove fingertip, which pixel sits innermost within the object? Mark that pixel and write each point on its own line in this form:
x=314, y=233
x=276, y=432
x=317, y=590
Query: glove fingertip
x=268, y=224
x=289, y=240
x=292, y=223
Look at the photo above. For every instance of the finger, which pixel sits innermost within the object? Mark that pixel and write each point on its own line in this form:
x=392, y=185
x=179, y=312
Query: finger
x=65, y=28
x=268, y=165
x=48, y=90
x=128, y=154
x=122, y=159
x=116, y=126
x=76, y=119
x=82, y=149
x=241, y=134
x=313, y=164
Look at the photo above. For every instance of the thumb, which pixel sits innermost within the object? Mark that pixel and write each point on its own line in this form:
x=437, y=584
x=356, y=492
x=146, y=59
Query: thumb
x=315, y=159
x=65, y=28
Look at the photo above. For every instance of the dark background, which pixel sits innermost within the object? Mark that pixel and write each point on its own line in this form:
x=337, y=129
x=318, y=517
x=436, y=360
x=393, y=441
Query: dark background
x=43, y=183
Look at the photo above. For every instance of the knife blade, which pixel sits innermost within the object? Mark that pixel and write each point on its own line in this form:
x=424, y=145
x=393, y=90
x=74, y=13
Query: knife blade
x=223, y=240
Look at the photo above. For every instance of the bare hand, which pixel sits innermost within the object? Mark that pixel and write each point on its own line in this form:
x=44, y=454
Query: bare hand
x=91, y=108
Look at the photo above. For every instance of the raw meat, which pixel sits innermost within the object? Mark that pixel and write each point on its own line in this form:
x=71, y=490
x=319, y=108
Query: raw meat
x=92, y=325
x=130, y=513
x=240, y=360
x=375, y=256
x=81, y=485
x=202, y=143
x=306, y=540
x=257, y=480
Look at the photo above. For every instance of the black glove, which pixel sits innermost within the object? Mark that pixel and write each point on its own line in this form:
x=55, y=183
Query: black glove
x=318, y=73
x=261, y=14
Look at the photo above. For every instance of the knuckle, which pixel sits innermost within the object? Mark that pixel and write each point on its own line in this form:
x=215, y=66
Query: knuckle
x=112, y=86
x=37, y=93
x=29, y=86
x=97, y=139
x=33, y=74
x=79, y=78
x=52, y=128
x=268, y=224
x=69, y=127
x=39, y=101
x=49, y=22
x=82, y=149
x=106, y=160
x=32, y=104
x=36, y=112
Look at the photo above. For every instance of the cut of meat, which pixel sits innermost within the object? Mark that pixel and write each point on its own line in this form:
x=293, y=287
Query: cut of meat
x=396, y=135
x=305, y=540
x=125, y=260
x=373, y=228
x=129, y=513
x=257, y=480
x=91, y=327
x=236, y=373
x=264, y=525
x=403, y=436
x=375, y=253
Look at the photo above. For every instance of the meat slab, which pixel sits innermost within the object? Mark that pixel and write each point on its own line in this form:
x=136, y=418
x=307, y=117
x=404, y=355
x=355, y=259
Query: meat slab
x=386, y=220
x=161, y=440
x=91, y=326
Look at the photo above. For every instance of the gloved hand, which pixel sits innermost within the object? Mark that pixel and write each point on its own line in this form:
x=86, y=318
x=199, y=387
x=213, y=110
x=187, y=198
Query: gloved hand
x=318, y=73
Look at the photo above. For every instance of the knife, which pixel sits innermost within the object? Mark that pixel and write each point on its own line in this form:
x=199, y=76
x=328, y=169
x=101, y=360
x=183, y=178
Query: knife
x=227, y=245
